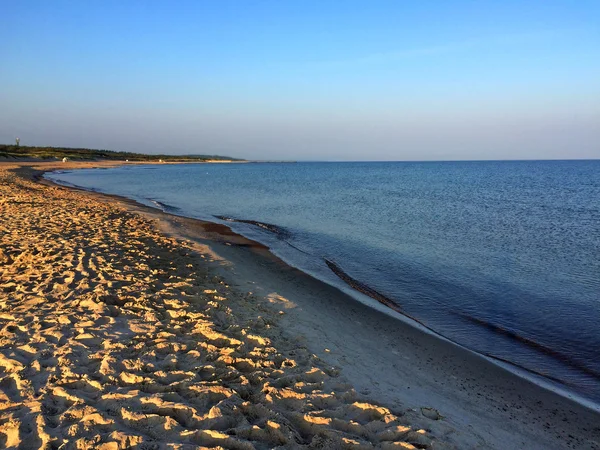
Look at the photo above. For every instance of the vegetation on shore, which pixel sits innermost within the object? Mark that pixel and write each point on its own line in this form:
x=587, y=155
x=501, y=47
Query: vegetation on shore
x=16, y=151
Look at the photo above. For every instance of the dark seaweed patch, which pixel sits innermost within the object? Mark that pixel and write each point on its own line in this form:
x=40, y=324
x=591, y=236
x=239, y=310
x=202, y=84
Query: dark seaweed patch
x=277, y=230
x=362, y=288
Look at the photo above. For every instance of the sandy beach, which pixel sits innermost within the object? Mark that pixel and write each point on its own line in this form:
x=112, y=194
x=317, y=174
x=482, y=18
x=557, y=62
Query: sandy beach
x=125, y=327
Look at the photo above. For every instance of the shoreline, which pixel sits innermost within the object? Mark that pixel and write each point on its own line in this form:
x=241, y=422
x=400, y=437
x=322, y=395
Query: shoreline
x=482, y=403
x=539, y=381
x=115, y=335
x=357, y=292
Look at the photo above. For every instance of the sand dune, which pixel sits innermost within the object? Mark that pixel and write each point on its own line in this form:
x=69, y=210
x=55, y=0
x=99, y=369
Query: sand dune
x=113, y=336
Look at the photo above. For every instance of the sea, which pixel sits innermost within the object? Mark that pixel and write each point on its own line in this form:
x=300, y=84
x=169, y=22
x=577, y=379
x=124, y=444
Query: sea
x=501, y=257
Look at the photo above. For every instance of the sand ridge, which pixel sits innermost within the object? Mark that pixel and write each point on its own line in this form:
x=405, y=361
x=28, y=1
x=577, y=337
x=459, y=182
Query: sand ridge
x=113, y=335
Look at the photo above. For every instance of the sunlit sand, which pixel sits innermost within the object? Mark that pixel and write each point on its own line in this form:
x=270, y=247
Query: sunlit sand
x=113, y=335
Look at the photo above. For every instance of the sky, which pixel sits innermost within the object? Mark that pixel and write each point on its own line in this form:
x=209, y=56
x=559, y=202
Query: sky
x=305, y=80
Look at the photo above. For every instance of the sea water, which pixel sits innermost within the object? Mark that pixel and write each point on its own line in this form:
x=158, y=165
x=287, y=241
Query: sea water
x=500, y=257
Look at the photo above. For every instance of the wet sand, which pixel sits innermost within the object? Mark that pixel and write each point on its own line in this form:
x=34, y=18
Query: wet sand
x=124, y=327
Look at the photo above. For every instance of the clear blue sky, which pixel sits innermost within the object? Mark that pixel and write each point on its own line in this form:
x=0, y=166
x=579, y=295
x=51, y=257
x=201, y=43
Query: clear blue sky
x=335, y=80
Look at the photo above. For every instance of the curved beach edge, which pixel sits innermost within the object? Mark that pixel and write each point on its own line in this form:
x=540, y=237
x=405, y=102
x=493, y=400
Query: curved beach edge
x=116, y=335
x=372, y=348
x=350, y=286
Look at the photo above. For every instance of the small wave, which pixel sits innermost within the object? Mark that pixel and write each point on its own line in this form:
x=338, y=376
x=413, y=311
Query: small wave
x=565, y=359
x=165, y=207
x=527, y=369
x=277, y=230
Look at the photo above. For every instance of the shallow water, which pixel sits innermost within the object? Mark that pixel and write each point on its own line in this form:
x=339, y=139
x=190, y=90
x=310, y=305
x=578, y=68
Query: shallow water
x=501, y=257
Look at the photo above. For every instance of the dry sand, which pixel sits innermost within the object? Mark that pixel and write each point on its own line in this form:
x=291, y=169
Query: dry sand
x=114, y=335
x=124, y=327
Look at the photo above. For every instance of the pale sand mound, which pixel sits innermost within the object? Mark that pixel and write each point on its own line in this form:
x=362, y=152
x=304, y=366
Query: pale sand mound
x=114, y=336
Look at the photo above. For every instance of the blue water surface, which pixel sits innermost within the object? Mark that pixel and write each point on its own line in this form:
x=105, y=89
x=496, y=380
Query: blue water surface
x=501, y=257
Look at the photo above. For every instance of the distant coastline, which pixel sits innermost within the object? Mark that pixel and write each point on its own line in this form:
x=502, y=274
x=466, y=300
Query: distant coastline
x=16, y=152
